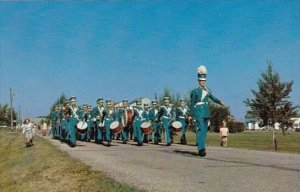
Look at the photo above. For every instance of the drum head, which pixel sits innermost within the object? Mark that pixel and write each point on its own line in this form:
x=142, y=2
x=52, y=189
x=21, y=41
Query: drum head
x=177, y=124
x=114, y=125
x=81, y=125
x=145, y=125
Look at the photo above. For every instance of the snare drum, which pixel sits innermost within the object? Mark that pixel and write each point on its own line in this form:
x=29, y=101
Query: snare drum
x=116, y=127
x=146, y=128
x=177, y=126
x=81, y=125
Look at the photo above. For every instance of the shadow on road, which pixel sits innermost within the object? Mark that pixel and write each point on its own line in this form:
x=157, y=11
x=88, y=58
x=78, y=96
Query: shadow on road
x=241, y=162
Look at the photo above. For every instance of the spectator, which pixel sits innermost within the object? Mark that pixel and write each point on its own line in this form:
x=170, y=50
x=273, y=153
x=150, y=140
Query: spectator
x=28, y=132
x=224, y=134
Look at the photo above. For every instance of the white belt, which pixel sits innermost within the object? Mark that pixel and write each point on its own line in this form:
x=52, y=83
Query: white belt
x=166, y=117
x=201, y=103
x=181, y=117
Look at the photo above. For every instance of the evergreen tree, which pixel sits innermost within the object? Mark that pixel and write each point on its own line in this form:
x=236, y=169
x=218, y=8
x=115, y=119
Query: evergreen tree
x=271, y=102
x=60, y=101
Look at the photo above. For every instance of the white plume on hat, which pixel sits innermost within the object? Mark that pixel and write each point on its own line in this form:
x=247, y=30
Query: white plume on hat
x=202, y=70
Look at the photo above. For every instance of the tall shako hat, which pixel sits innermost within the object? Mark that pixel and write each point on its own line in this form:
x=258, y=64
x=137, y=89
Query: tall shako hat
x=182, y=101
x=100, y=100
x=154, y=102
x=202, y=72
x=125, y=101
x=108, y=101
x=72, y=98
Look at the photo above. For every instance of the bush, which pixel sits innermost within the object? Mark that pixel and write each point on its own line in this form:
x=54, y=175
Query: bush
x=235, y=127
x=297, y=129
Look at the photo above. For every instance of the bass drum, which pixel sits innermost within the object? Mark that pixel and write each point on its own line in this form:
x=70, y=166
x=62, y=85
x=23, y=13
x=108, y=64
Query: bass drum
x=81, y=125
x=127, y=118
x=177, y=126
x=146, y=128
x=116, y=127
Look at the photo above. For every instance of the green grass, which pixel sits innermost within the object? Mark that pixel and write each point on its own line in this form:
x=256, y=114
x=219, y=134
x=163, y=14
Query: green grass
x=44, y=168
x=257, y=140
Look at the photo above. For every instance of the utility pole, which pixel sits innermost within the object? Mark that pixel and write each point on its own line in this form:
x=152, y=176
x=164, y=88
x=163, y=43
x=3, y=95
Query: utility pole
x=11, y=94
x=20, y=120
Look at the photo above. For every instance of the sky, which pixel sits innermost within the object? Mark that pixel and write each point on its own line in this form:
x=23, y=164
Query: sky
x=129, y=49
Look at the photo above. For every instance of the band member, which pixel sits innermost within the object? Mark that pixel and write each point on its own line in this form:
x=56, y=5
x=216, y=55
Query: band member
x=82, y=112
x=98, y=115
x=138, y=119
x=74, y=119
x=90, y=123
x=146, y=118
x=165, y=113
x=55, y=122
x=127, y=120
x=65, y=118
x=153, y=116
x=108, y=118
x=199, y=109
x=123, y=120
x=181, y=116
x=28, y=132
x=117, y=117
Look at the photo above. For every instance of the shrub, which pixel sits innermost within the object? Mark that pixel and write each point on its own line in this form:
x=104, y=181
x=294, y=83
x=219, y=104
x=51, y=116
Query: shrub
x=235, y=127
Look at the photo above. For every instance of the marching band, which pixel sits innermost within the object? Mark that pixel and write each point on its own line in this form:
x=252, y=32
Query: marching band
x=142, y=124
x=105, y=122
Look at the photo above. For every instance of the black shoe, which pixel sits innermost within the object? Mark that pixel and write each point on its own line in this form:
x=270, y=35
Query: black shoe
x=168, y=144
x=202, y=153
x=140, y=144
x=108, y=144
x=124, y=142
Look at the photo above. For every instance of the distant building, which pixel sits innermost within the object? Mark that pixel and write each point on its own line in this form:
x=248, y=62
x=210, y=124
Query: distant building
x=252, y=123
x=296, y=122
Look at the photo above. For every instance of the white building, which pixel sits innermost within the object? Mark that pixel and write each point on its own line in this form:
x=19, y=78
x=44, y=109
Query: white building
x=252, y=123
x=296, y=122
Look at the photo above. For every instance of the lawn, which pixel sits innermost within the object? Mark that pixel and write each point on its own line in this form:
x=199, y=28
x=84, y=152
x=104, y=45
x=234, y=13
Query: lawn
x=44, y=168
x=257, y=140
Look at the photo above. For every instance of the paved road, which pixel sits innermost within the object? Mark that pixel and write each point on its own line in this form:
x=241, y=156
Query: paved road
x=178, y=168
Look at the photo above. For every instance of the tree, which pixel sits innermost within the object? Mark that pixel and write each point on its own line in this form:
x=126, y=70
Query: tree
x=218, y=115
x=174, y=98
x=5, y=114
x=60, y=100
x=271, y=102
